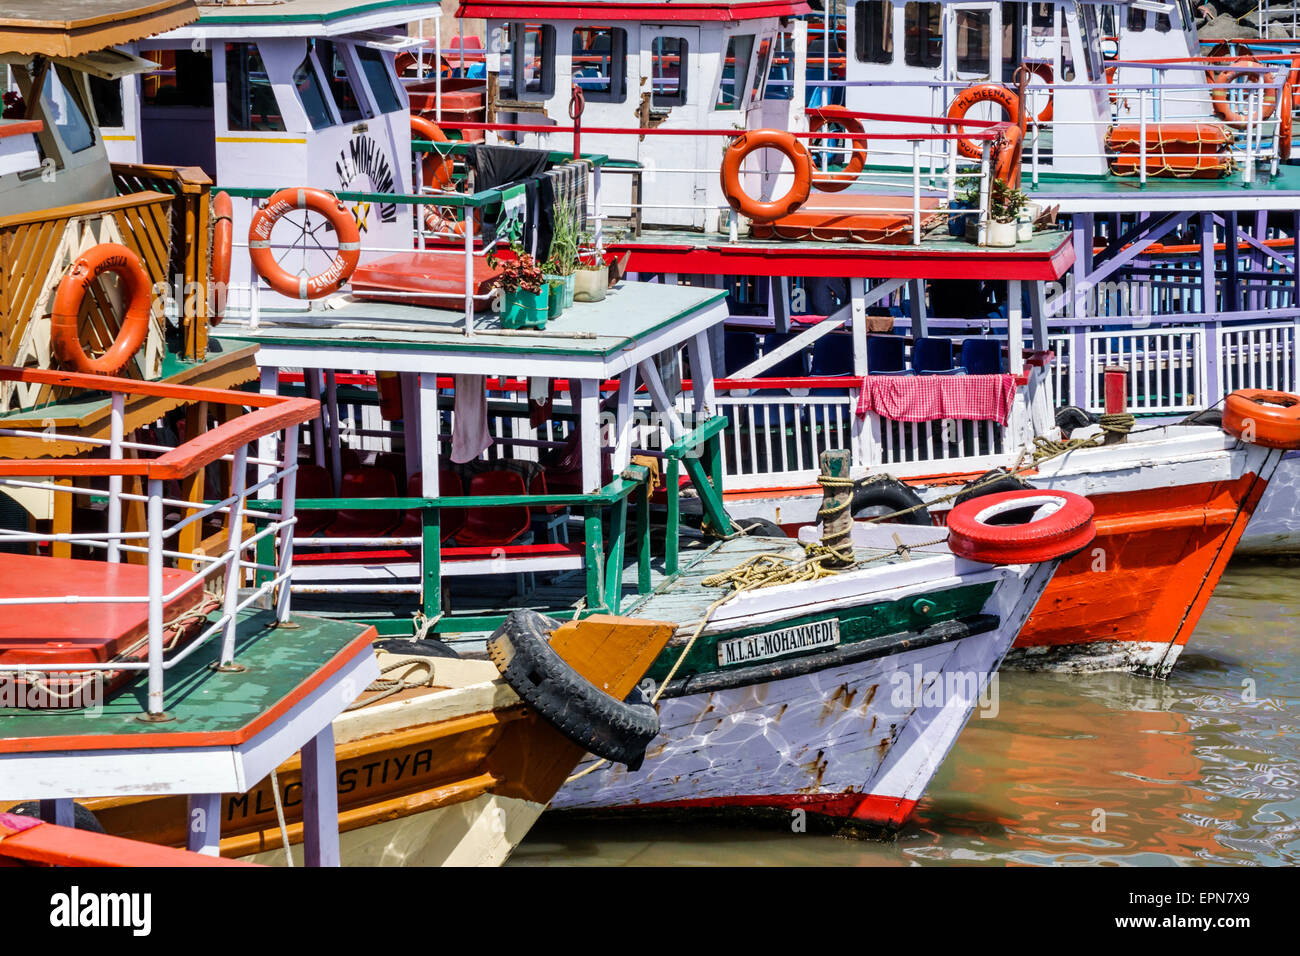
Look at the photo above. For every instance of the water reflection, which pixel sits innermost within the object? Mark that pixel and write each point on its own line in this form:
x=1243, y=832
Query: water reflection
x=1102, y=768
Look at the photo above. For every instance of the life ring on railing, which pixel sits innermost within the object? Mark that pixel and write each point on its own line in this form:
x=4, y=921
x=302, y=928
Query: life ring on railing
x=834, y=182
x=982, y=93
x=1219, y=95
x=436, y=169
x=1263, y=417
x=1044, y=72
x=1021, y=527
x=773, y=209
x=66, y=312
x=390, y=395
x=223, y=245
x=345, y=227
x=1006, y=155
x=1284, y=123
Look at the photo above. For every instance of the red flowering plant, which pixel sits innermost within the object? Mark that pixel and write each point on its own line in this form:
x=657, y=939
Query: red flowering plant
x=520, y=271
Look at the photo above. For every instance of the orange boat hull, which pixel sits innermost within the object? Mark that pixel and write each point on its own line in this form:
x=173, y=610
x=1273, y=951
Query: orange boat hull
x=1125, y=599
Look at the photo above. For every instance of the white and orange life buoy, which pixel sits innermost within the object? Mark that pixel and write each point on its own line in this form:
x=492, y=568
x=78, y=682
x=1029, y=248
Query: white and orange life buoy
x=435, y=169
x=1263, y=417
x=773, y=209
x=223, y=244
x=1055, y=524
x=1219, y=93
x=90, y=265
x=833, y=182
x=1284, y=123
x=1044, y=72
x=982, y=93
x=340, y=268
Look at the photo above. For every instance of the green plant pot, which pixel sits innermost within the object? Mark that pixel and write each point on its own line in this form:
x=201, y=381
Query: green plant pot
x=561, y=294
x=525, y=310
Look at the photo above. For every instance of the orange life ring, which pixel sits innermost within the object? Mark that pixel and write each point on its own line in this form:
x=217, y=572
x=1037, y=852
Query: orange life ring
x=982, y=93
x=1006, y=155
x=834, y=182
x=404, y=61
x=390, y=395
x=436, y=169
x=223, y=243
x=345, y=227
x=1219, y=95
x=94, y=262
x=1044, y=72
x=1284, y=124
x=1263, y=417
x=1056, y=524
x=773, y=209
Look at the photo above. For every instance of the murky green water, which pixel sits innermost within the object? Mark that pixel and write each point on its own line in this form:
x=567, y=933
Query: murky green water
x=1203, y=768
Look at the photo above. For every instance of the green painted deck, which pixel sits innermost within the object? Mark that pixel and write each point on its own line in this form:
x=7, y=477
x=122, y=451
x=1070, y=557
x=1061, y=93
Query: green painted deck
x=631, y=311
x=202, y=701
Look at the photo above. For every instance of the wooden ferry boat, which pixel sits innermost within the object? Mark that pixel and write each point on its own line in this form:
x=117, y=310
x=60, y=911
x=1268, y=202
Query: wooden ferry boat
x=143, y=581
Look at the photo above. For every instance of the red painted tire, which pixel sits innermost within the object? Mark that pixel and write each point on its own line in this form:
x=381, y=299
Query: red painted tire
x=1021, y=527
x=1263, y=417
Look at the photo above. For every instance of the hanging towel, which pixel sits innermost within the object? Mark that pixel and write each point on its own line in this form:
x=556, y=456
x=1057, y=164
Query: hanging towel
x=567, y=184
x=469, y=425
x=494, y=166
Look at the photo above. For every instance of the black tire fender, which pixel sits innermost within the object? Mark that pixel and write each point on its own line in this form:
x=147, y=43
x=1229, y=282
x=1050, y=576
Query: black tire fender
x=82, y=818
x=991, y=483
x=884, y=495
x=759, y=527
x=1071, y=417
x=586, y=715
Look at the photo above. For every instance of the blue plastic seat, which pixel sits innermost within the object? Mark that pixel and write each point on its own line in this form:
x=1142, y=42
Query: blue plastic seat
x=933, y=356
x=739, y=349
x=832, y=356
x=885, y=355
x=981, y=356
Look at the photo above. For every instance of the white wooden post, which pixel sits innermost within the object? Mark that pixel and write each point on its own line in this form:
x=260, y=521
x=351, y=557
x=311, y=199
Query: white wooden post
x=117, y=424
x=288, y=495
x=235, y=536
x=203, y=824
x=320, y=801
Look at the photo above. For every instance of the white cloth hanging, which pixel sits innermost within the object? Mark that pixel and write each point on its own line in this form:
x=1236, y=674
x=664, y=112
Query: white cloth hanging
x=469, y=426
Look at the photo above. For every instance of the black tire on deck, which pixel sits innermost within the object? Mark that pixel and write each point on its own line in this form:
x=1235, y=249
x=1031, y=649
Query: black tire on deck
x=608, y=728
x=1071, y=417
x=998, y=480
x=759, y=527
x=886, y=495
x=82, y=818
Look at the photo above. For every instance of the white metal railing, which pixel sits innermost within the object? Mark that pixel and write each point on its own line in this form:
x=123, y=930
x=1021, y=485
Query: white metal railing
x=1166, y=368
x=1257, y=356
x=171, y=535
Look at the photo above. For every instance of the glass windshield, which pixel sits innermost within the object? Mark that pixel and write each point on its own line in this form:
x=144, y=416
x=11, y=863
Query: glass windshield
x=311, y=93
x=250, y=101
x=380, y=80
x=64, y=110
x=735, y=72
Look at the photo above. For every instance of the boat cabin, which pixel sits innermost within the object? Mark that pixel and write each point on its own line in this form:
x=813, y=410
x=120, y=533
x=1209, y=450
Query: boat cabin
x=733, y=64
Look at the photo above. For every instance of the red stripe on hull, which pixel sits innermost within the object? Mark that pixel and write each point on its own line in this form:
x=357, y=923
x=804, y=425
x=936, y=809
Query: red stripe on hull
x=1148, y=576
x=868, y=808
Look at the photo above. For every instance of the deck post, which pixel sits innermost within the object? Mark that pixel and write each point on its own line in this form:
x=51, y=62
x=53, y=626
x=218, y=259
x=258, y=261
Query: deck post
x=916, y=300
x=837, y=529
x=589, y=429
x=203, y=826
x=269, y=385
x=430, y=487
x=332, y=406
x=311, y=378
x=320, y=801
x=234, y=545
x=154, y=522
x=288, y=494
x=60, y=812
x=115, y=437
x=672, y=534
x=1209, y=298
x=1015, y=325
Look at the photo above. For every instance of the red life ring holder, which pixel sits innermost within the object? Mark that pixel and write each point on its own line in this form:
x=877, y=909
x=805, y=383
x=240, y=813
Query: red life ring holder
x=1284, y=122
x=223, y=244
x=1006, y=155
x=982, y=93
x=1219, y=95
x=989, y=529
x=1044, y=72
x=773, y=209
x=1263, y=417
x=340, y=268
x=436, y=169
x=94, y=262
x=834, y=182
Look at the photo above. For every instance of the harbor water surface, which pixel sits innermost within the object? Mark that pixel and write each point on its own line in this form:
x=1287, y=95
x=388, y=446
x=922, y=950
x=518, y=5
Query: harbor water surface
x=1074, y=769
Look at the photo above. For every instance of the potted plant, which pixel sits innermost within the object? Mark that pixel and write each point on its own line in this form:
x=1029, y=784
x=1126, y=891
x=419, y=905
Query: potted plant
x=1005, y=205
x=967, y=197
x=563, y=260
x=591, y=279
x=524, y=293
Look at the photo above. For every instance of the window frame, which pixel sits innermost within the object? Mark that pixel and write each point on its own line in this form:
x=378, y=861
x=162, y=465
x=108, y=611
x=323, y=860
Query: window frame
x=882, y=43
x=617, y=61
x=921, y=58
x=661, y=101
x=514, y=50
x=741, y=89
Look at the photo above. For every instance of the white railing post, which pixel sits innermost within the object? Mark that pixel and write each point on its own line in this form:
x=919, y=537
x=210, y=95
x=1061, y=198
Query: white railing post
x=597, y=216
x=154, y=514
x=288, y=496
x=234, y=544
x=116, y=431
x=1142, y=136
x=469, y=269
x=916, y=192
x=986, y=196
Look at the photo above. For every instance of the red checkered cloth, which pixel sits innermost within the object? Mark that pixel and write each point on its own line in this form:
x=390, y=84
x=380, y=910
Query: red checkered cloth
x=927, y=398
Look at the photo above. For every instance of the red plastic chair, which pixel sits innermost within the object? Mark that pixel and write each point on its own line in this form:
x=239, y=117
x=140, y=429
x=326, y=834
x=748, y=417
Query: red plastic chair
x=557, y=516
x=453, y=519
x=365, y=482
x=313, y=482
x=488, y=527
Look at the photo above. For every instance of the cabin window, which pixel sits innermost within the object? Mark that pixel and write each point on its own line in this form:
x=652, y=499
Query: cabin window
x=874, y=31
x=668, y=70
x=1040, y=18
x=250, y=101
x=780, y=78
x=106, y=97
x=923, y=35
x=600, y=63
x=528, y=66
x=312, y=93
x=339, y=81
x=761, y=65
x=735, y=72
x=380, y=80
x=973, y=41
x=1067, y=53
x=1162, y=23
x=184, y=78
x=1013, y=20
x=64, y=111
x=1137, y=19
